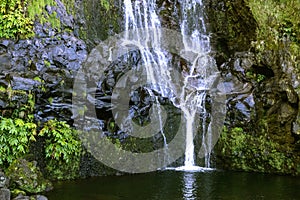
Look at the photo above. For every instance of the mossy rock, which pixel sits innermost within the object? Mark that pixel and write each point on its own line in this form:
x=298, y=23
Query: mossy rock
x=240, y=150
x=27, y=176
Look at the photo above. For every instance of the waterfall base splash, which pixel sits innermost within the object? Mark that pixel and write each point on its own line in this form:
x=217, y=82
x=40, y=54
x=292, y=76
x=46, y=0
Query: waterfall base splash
x=190, y=169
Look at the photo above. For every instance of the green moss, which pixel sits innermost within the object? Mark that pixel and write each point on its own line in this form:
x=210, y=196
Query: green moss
x=102, y=19
x=233, y=25
x=37, y=78
x=278, y=25
x=36, y=11
x=47, y=63
x=54, y=21
x=70, y=6
x=27, y=177
x=243, y=151
x=16, y=192
x=106, y=4
x=37, y=7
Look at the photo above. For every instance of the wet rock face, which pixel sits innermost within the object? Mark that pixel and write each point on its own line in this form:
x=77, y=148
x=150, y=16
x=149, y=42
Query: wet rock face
x=95, y=23
x=239, y=89
x=261, y=97
x=231, y=24
x=276, y=101
x=232, y=29
x=46, y=66
x=261, y=89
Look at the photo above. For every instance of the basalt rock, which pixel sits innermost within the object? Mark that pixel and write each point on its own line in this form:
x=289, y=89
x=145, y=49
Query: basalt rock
x=4, y=194
x=36, y=197
x=262, y=87
x=262, y=94
x=45, y=65
x=4, y=182
x=27, y=177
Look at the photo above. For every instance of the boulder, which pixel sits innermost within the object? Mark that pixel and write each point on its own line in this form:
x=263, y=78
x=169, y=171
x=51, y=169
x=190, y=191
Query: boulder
x=22, y=197
x=4, y=181
x=4, y=194
x=27, y=177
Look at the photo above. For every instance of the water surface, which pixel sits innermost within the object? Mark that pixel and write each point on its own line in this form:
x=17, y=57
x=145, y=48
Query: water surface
x=177, y=185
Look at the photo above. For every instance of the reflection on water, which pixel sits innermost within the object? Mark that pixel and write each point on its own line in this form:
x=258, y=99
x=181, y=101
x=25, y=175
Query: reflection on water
x=178, y=185
x=189, y=186
x=194, y=185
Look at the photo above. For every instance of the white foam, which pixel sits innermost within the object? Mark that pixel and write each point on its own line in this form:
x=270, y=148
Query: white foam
x=190, y=169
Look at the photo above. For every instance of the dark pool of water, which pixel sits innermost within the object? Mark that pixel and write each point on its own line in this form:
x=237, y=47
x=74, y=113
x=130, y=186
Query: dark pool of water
x=174, y=185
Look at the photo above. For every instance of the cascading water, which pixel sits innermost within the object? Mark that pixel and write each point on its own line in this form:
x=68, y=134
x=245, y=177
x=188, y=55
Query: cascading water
x=141, y=16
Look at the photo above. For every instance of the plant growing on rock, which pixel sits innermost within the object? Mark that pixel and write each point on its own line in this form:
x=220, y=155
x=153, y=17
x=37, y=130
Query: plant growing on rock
x=278, y=25
x=37, y=11
x=15, y=136
x=62, y=149
x=27, y=177
x=17, y=130
x=243, y=151
x=13, y=20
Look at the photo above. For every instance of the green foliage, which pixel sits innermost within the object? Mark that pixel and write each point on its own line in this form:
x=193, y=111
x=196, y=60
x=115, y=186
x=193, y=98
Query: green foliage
x=63, y=149
x=254, y=76
x=13, y=20
x=106, y=4
x=278, y=25
x=17, y=17
x=36, y=11
x=70, y=6
x=17, y=130
x=246, y=152
x=15, y=136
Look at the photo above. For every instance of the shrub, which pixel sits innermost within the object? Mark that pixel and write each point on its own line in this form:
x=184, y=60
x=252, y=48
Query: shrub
x=13, y=20
x=15, y=136
x=17, y=128
x=247, y=152
x=62, y=149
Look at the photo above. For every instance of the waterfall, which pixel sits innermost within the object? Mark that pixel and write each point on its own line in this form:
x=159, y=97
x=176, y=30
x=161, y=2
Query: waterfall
x=141, y=16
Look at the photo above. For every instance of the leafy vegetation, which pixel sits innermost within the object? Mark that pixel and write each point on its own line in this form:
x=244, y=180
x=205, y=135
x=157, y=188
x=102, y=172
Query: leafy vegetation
x=15, y=136
x=16, y=130
x=14, y=23
x=243, y=151
x=63, y=149
x=254, y=76
x=278, y=25
x=36, y=11
x=106, y=4
x=17, y=17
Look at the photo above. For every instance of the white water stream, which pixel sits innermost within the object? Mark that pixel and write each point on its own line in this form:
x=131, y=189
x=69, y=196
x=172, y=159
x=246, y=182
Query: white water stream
x=142, y=17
